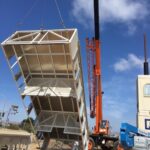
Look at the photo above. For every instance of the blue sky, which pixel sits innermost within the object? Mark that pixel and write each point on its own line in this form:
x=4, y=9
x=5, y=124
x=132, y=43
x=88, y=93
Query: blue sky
x=123, y=23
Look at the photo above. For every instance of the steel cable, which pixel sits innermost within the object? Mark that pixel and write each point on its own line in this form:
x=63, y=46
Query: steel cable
x=60, y=15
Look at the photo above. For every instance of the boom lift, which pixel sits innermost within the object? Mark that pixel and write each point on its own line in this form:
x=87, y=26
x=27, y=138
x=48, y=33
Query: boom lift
x=100, y=135
x=138, y=138
x=133, y=138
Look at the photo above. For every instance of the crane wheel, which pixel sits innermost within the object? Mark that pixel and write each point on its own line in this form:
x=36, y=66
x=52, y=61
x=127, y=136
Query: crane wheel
x=91, y=144
x=117, y=146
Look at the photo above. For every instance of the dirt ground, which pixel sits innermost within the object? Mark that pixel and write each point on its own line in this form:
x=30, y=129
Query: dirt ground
x=53, y=144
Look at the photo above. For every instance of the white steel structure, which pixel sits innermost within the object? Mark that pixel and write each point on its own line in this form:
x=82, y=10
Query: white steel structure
x=46, y=66
x=143, y=102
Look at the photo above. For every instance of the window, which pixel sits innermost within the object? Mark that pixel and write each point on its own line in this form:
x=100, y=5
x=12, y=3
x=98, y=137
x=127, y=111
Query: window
x=147, y=90
x=147, y=124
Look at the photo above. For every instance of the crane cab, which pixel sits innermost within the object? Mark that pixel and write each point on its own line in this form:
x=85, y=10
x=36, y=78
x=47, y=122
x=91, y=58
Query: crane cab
x=104, y=127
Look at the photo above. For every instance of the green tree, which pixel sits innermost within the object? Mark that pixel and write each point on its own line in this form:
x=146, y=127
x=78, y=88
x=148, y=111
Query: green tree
x=13, y=127
x=27, y=124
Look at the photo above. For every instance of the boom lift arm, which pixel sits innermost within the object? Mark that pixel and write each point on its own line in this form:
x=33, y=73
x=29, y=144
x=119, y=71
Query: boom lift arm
x=132, y=137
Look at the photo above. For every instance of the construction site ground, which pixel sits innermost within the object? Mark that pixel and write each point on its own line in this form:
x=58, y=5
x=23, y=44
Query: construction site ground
x=35, y=144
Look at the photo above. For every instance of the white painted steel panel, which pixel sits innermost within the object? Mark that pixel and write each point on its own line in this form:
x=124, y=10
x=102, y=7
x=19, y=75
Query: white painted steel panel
x=49, y=64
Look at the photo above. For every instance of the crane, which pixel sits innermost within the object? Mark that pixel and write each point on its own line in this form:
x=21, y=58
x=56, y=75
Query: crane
x=94, y=77
x=100, y=135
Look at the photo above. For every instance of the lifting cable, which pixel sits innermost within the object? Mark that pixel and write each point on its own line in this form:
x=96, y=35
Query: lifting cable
x=59, y=13
x=42, y=15
x=21, y=22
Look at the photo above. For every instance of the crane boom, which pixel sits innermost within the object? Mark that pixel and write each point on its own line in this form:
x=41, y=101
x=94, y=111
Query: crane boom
x=96, y=19
x=94, y=71
x=101, y=132
x=97, y=68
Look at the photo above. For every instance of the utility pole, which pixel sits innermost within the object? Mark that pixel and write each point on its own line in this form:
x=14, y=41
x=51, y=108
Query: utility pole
x=13, y=110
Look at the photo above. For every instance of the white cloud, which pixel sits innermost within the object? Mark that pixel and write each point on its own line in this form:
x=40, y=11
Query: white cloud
x=131, y=28
x=132, y=61
x=114, y=106
x=121, y=11
x=118, y=100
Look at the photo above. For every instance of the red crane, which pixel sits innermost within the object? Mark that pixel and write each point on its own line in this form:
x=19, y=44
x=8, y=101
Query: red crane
x=94, y=74
x=101, y=128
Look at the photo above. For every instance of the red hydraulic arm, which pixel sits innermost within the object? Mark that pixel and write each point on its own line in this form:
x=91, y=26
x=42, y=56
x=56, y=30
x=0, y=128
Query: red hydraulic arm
x=94, y=72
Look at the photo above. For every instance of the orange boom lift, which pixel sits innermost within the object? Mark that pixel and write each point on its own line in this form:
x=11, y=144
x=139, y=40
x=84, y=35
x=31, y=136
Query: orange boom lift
x=100, y=135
